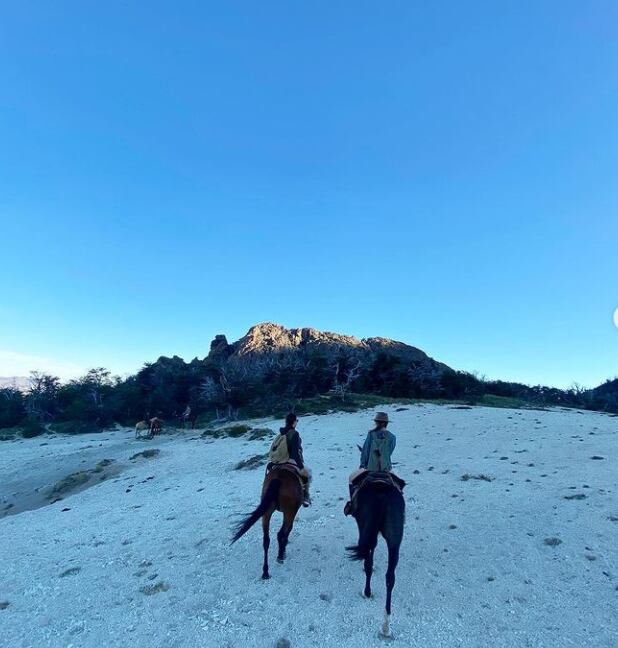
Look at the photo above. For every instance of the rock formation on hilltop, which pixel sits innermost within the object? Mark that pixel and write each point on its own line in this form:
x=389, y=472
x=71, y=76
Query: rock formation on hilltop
x=268, y=341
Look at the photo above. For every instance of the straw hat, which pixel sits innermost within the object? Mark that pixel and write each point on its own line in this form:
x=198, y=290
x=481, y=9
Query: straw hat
x=381, y=417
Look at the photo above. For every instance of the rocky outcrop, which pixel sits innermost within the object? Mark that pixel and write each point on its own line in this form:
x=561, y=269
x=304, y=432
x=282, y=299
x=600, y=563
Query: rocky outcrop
x=274, y=338
x=220, y=350
x=267, y=340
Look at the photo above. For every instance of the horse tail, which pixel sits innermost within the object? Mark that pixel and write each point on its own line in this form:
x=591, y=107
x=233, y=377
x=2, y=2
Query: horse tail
x=367, y=540
x=268, y=499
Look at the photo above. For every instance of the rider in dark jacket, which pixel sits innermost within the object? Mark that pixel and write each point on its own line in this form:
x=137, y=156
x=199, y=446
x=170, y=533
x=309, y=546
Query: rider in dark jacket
x=295, y=444
x=295, y=450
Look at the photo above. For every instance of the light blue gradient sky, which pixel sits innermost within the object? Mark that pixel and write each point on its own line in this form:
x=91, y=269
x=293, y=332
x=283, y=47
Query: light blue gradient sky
x=441, y=173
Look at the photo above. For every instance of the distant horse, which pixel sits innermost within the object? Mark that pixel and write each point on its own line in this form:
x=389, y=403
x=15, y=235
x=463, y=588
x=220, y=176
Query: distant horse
x=282, y=491
x=189, y=417
x=139, y=427
x=380, y=508
x=156, y=425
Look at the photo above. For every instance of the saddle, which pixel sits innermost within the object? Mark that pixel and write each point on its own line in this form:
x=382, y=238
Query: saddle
x=289, y=466
x=387, y=478
x=367, y=479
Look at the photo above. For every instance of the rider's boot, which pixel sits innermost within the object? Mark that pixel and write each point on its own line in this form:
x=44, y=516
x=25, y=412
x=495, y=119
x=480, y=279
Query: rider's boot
x=347, y=509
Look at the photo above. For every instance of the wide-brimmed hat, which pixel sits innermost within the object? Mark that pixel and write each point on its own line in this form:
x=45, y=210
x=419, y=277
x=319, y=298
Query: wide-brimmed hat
x=381, y=417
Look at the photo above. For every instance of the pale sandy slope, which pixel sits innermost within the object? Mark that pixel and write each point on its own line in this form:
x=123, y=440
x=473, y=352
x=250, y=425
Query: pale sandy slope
x=489, y=581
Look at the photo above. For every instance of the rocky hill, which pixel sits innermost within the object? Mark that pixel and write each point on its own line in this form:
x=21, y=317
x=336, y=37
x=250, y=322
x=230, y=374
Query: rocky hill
x=269, y=340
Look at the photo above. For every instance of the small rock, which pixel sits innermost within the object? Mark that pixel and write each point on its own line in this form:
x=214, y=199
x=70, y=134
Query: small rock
x=552, y=542
x=150, y=590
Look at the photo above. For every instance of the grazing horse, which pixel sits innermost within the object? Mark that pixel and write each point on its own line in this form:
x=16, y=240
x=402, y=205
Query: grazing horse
x=380, y=508
x=139, y=427
x=282, y=491
x=156, y=424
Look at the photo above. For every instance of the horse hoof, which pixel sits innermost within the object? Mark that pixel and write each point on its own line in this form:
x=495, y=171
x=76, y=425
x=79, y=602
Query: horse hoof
x=386, y=637
x=280, y=561
x=366, y=596
x=265, y=576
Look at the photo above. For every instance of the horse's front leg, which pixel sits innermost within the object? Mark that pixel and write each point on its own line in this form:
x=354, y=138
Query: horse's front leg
x=368, y=572
x=266, y=543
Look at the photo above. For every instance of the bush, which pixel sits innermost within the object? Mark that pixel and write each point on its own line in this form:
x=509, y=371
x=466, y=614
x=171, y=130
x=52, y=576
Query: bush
x=74, y=427
x=253, y=462
x=260, y=433
x=235, y=430
x=12, y=407
x=10, y=433
x=32, y=429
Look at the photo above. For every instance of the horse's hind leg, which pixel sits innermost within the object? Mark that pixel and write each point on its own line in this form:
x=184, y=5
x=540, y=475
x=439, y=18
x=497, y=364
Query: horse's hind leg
x=393, y=559
x=266, y=542
x=284, y=534
x=368, y=571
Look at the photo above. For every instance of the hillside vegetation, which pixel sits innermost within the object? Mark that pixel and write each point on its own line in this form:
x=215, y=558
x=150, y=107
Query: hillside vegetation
x=270, y=371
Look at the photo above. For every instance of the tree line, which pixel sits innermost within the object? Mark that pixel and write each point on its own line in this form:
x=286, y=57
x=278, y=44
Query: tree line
x=260, y=385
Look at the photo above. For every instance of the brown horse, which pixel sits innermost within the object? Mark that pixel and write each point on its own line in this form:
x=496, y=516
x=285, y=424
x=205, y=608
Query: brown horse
x=156, y=425
x=282, y=491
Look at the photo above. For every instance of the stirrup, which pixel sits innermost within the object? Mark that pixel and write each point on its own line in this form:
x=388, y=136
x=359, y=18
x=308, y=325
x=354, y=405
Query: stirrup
x=347, y=509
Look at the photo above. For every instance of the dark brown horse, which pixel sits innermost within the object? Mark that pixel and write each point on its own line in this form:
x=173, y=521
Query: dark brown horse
x=282, y=491
x=380, y=510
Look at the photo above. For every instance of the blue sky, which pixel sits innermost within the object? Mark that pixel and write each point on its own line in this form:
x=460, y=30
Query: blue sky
x=440, y=173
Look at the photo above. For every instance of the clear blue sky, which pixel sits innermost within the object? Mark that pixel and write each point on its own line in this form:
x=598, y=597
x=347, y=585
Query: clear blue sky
x=440, y=173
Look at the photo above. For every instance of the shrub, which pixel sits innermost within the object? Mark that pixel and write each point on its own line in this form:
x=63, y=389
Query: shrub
x=260, y=433
x=10, y=433
x=69, y=483
x=235, y=430
x=252, y=462
x=32, y=429
x=74, y=427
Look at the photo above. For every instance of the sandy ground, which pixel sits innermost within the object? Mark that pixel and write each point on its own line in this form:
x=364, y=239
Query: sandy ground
x=142, y=558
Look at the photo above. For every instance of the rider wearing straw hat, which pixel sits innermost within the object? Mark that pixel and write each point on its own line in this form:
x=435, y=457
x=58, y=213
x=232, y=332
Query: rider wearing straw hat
x=376, y=452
